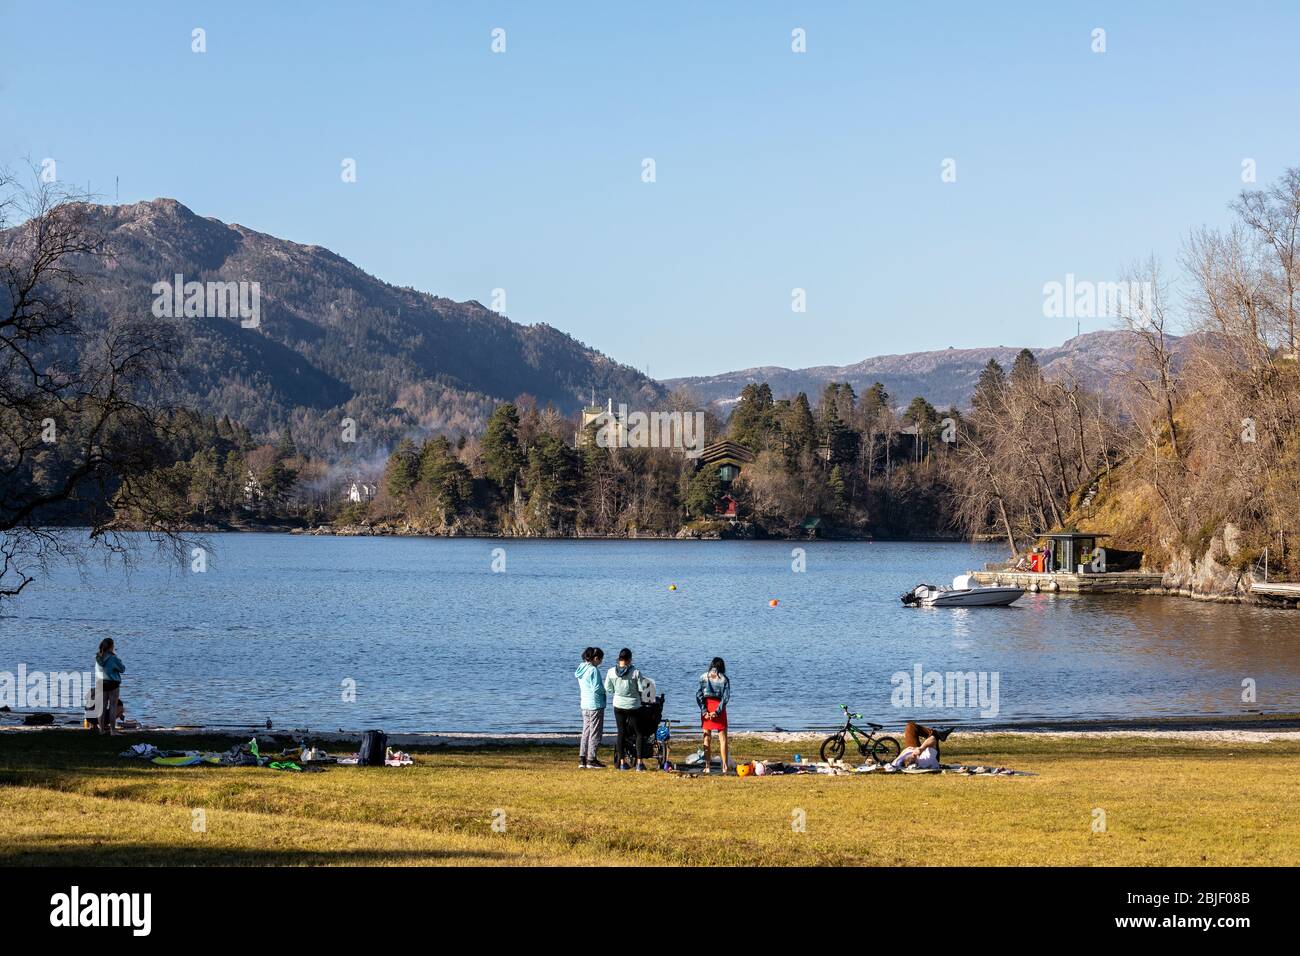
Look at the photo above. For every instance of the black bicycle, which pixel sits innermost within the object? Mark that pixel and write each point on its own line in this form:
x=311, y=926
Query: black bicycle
x=879, y=749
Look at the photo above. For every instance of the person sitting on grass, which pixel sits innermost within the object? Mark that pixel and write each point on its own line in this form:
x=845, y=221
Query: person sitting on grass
x=920, y=747
x=593, y=708
x=712, y=696
x=623, y=684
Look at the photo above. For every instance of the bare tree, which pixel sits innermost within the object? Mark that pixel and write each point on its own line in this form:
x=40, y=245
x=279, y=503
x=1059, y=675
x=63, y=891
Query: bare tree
x=1143, y=314
x=80, y=438
x=1274, y=216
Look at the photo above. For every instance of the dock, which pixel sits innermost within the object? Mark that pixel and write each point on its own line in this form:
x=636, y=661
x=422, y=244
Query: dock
x=1061, y=581
x=1277, y=590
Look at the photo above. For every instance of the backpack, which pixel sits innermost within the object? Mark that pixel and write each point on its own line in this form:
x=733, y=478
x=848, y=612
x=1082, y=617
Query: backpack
x=374, y=747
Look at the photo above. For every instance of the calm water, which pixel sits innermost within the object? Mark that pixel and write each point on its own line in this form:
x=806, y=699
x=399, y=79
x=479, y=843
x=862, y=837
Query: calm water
x=435, y=640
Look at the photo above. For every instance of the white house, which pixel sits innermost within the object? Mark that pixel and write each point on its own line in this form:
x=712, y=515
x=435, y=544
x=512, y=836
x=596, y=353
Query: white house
x=360, y=491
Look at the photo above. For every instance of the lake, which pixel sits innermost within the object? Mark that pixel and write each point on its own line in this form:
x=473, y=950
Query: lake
x=278, y=627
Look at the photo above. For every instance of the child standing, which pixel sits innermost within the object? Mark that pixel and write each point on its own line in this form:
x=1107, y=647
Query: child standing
x=108, y=681
x=712, y=696
x=593, y=708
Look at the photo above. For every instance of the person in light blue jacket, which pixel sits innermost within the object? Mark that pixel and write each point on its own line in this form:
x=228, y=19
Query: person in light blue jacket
x=108, y=682
x=623, y=684
x=593, y=708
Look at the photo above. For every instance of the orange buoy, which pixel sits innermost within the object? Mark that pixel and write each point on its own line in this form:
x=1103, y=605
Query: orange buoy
x=773, y=603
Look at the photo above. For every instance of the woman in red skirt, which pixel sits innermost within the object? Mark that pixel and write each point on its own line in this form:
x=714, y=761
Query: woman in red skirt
x=712, y=696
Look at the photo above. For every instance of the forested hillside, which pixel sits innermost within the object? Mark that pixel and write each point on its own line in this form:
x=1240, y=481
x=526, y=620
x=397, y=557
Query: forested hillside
x=333, y=342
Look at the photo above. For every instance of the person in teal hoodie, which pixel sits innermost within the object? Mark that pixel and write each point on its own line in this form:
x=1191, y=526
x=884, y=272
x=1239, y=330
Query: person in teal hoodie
x=593, y=708
x=623, y=684
x=108, y=679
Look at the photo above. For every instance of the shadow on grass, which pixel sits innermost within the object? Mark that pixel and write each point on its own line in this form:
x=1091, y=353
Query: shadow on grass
x=31, y=853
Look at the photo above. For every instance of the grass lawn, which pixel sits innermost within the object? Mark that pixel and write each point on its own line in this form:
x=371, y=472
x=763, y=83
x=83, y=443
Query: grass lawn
x=67, y=798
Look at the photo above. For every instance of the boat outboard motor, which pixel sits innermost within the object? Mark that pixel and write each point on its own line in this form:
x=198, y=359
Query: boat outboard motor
x=913, y=597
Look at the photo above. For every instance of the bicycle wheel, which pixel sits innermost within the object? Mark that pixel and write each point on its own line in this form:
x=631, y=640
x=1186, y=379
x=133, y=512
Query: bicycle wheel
x=833, y=747
x=885, y=749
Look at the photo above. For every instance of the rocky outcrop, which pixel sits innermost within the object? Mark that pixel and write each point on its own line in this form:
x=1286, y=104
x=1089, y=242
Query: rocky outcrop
x=1212, y=576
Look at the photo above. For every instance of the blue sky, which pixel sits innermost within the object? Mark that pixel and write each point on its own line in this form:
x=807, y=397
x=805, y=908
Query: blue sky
x=775, y=170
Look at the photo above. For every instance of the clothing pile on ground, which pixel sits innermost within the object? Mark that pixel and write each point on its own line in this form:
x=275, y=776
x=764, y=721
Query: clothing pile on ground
x=392, y=758
x=240, y=755
x=295, y=759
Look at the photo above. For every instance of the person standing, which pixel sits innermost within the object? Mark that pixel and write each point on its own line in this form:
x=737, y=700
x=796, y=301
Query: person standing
x=623, y=684
x=593, y=708
x=108, y=678
x=712, y=696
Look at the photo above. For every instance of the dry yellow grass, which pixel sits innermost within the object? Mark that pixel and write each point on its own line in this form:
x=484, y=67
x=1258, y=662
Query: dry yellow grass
x=68, y=799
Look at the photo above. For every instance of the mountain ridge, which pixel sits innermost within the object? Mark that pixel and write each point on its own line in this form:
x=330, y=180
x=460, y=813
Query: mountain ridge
x=943, y=376
x=333, y=340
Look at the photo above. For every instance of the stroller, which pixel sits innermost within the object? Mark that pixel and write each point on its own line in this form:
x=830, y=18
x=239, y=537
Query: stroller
x=656, y=732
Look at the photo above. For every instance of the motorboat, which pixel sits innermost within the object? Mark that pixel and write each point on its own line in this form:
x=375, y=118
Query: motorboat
x=964, y=592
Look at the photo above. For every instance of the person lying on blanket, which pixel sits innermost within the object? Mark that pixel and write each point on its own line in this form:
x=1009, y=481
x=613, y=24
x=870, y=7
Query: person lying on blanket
x=920, y=747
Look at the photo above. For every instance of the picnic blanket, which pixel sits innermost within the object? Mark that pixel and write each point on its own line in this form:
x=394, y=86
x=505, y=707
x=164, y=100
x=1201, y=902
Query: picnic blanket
x=835, y=768
x=962, y=770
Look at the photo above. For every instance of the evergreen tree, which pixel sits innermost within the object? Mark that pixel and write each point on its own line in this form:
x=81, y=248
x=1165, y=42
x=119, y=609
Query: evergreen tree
x=836, y=484
x=922, y=414
x=874, y=401
x=233, y=475
x=840, y=439
x=990, y=388
x=1025, y=370
x=502, y=457
x=205, y=481
x=751, y=421
x=551, y=482
x=277, y=481
x=444, y=478
x=286, y=448
x=703, y=492
x=838, y=399
x=800, y=428
x=403, y=469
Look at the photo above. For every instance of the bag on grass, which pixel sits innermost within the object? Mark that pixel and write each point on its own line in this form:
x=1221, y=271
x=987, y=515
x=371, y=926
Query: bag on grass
x=374, y=744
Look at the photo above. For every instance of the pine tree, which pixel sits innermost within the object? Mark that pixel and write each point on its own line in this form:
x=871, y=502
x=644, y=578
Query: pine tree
x=836, y=484
x=286, y=448
x=751, y=421
x=990, y=388
x=1025, y=370
x=403, y=469
x=502, y=457
x=703, y=492
x=800, y=428
x=551, y=482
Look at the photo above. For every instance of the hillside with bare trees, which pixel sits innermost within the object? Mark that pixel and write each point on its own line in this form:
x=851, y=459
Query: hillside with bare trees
x=1193, y=459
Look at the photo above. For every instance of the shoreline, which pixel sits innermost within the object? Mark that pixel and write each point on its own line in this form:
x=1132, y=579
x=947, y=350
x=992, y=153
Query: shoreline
x=1245, y=728
x=743, y=532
